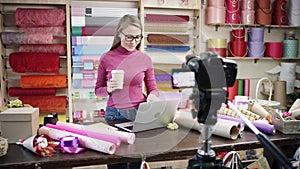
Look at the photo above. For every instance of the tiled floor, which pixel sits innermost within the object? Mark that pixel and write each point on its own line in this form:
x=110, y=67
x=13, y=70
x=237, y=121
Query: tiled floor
x=179, y=164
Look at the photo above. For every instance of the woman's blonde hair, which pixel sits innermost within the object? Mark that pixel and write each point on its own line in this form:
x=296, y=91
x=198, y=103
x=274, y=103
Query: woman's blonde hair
x=124, y=22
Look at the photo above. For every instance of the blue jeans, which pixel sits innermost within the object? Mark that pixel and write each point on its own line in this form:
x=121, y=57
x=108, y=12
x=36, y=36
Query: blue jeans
x=114, y=114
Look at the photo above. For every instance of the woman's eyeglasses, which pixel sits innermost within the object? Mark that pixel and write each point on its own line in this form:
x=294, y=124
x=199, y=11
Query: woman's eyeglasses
x=130, y=38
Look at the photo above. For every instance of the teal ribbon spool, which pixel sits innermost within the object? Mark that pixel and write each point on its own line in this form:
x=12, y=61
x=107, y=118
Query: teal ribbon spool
x=290, y=48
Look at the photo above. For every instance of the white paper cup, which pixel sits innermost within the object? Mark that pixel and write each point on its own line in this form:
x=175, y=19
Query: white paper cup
x=118, y=75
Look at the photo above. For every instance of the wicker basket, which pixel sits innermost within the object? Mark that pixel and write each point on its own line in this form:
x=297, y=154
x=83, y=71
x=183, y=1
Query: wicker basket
x=3, y=146
x=267, y=104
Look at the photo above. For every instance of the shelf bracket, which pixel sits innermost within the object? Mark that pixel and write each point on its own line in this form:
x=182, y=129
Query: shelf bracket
x=269, y=29
x=256, y=60
x=216, y=28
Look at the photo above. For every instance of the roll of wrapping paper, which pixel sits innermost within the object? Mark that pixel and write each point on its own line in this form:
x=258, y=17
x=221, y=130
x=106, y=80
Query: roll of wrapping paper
x=246, y=87
x=18, y=91
x=232, y=91
x=61, y=49
x=167, y=18
x=100, y=136
x=187, y=121
x=280, y=92
x=101, y=21
x=168, y=48
x=226, y=128
x=76, y=31
x=90, y=50
x=84, y=141
x=167, y=39
x=262, y=126
x=33, y=62
x=166, y=27
x=125, y=136
x=223, y=128
x=40, y=17
x=92, y=40
x=54, y=30
x=43, y=81
x=9, y=38
x=46, y=104
x=98, y=30
x=240, y=87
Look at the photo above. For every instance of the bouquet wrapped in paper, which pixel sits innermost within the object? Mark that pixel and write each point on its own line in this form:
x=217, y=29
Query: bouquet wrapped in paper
x=42, y=145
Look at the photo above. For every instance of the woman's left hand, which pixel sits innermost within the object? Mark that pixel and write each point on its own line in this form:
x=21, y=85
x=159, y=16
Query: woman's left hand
x=152, y=97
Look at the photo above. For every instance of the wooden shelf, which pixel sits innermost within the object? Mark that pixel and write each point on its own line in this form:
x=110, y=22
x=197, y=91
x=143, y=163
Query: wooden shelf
x=50, y=2
x=269, y=27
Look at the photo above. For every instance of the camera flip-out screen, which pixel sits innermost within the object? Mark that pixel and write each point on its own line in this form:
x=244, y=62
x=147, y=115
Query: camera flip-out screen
x=183, y=78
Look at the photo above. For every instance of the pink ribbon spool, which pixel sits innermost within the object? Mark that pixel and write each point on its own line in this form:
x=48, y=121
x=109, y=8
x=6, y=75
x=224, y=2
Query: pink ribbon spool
x=237, y=49
x=233, y=17
x=273, y=49
x=232, y=5
x=247, y=17
x=247, y=4
x=215, y=15
x=238, y=35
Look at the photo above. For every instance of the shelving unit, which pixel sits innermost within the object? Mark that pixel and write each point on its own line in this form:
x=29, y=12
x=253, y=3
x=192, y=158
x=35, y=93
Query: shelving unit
x=189, y=27
x=248, y=67
x=12, y=79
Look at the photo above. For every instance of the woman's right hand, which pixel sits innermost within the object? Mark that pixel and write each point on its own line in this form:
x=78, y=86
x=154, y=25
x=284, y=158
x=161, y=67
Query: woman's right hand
x=112, y=85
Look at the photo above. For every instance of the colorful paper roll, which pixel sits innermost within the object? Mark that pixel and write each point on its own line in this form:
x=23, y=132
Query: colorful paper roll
x=11, y=38
x=246, y=87
x=88, y=142
x=167, y=18
x=54, y=30
x=40, y=17
x=61, y=49
x=43, y=81
x=168, y=48
x=226, y=128
x=262, y=126
x=46, y=104
x=18, y=91
x=223, y=128
x=100, y=136
x=98, y=30
x=125, y=136
x=168, y=39
x=28, y=62
x=240, y=87
x=233, y=91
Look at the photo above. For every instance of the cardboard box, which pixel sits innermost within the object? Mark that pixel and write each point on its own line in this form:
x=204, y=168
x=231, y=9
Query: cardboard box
x=19, y=123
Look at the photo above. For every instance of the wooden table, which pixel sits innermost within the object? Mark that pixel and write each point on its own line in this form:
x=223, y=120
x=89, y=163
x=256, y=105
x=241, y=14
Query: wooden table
x=155, y=145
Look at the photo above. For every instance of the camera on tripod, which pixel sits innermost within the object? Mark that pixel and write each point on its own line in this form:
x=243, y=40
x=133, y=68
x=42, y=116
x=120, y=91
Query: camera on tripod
x=209, y=75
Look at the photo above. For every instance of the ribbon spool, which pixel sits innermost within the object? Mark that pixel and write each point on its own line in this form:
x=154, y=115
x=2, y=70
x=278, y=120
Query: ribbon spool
x=70, y=144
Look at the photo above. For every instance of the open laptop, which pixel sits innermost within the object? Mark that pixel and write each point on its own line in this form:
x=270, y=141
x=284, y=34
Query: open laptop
x=152, y=115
